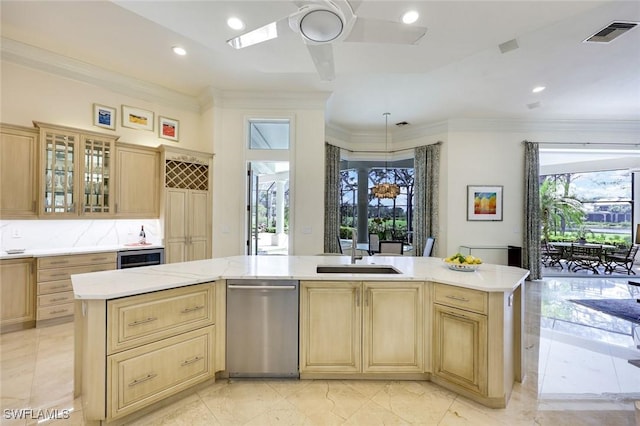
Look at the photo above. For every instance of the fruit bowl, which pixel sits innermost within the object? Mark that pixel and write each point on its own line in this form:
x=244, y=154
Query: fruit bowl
x=460, y=262
x=463, y=267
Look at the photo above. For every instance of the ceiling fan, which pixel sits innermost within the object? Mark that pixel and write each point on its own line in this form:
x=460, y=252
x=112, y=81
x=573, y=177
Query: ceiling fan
x=321, y=23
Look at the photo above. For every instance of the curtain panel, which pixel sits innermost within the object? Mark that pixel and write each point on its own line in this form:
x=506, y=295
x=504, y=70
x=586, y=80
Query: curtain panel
x=332, y=199
x=531, y=237
x=427, y=184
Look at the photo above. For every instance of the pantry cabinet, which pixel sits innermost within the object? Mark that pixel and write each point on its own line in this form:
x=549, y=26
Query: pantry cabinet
x=186, y=210
x=137, y=181
x=18, y=172
x=77, y=169
x=361, y=327
x=17, y=295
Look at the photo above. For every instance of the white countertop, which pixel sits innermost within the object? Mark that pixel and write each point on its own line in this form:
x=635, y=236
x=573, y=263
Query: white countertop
x=75, y=250
x=128, y=282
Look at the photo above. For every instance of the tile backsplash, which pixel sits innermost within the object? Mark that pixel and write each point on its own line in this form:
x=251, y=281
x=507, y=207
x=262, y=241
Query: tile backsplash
x=52, y=234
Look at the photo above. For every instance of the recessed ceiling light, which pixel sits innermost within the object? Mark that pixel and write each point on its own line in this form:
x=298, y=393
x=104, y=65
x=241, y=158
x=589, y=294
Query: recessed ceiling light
x=410, y=17
x=179, y=50
x=235, y=23
x=538, y=89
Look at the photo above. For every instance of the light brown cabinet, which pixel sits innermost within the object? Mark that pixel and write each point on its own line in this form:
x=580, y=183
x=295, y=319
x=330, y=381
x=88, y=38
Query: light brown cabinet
x=18, y=171
x=54, y=289
x=17, y=295
x=186, y=212
x=137, y=181
x=361, y=327
x=151, y=346
x=77, y=169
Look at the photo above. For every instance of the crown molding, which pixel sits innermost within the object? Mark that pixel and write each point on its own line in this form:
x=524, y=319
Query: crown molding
x=54, y=63
x=271, y=99
x=504, y=125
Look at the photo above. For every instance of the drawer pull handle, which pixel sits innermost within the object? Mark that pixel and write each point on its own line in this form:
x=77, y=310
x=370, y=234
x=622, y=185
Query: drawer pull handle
x=59, y=262
x=64, y=274
x=144, y=321
x=458, y=298
x=191, y=361
x=142, y=380
x=59, y=311
x=58, y=286
x=58, y=299
x=195, y=308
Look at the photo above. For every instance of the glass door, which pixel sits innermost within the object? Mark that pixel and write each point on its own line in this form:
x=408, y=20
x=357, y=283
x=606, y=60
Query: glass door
x=268, y=208
x=60, y=159
x=96, y=176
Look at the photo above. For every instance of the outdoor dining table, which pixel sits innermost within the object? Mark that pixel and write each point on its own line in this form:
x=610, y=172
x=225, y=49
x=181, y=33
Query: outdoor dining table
x=565, y=247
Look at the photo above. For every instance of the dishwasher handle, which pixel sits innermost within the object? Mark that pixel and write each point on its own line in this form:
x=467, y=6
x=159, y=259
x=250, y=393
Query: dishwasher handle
x=260, y=287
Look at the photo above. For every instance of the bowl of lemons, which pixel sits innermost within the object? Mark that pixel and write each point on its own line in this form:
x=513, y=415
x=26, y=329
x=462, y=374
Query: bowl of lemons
x=460, y=262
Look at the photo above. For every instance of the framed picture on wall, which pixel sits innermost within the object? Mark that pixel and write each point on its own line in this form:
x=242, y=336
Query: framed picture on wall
x=168, y=128
x=484, y=202
x=136, y=118
x=104, y=116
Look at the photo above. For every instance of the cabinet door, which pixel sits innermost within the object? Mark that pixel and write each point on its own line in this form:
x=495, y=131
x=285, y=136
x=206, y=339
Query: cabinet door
x=59, y=160
x=460, y=347
x=17, y=296
x=96, y=190
x=330, y=327
x=393, y=327
x=198, y=239
x=18, y=153
x=176, y=211
x=137, y=182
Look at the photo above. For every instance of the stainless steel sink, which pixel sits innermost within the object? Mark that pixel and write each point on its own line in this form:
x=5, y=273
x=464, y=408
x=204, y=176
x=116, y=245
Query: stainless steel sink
x=356, y=269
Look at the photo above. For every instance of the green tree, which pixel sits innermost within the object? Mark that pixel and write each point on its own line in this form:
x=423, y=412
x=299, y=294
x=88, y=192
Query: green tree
x=556, y=207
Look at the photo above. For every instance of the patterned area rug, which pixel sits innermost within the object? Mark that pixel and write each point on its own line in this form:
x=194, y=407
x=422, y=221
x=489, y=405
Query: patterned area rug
x=628, y=309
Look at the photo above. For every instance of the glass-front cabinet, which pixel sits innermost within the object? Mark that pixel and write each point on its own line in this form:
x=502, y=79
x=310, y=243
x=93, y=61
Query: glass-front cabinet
x=77, y=172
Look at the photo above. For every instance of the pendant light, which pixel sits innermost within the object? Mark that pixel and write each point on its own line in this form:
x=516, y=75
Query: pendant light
x=385, y=189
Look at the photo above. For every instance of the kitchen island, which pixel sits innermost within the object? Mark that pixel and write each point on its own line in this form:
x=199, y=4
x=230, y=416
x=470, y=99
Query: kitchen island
x=461, y=330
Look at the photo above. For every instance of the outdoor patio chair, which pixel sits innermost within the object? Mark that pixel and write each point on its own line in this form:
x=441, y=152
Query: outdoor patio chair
x=585, y=257
x=391, y=247
x=621, y=260
x=551, y=256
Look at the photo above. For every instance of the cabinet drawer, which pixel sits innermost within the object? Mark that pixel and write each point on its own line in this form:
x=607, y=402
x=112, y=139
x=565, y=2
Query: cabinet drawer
x=76, y=260
x=55, y=298
x=65, y=273
x=48, y=287
x=149, y=317
x=144, y=375
x=459, y=297
x=55, y=311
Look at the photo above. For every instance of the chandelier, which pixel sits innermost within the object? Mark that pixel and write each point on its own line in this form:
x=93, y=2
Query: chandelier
x=385, y=189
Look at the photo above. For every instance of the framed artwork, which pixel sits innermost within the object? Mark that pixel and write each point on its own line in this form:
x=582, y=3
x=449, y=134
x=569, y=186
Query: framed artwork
x=104, y=116
x=168, y=128
x=136, y=118
x=484, y=202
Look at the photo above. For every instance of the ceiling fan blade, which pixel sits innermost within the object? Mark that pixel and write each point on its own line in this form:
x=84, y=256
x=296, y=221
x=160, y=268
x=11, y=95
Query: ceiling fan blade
x=322, y=56
x=379, y=31
x=259, y=35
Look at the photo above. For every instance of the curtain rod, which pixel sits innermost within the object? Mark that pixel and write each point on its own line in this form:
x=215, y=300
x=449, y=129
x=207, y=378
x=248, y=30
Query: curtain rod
x=588, y=143
x=388, y=152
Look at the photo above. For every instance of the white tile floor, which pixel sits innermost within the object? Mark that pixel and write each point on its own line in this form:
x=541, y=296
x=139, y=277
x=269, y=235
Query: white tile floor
x=576, y=361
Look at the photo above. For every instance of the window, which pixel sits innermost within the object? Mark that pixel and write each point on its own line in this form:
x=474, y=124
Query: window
x=604, y=208
x=269, y=134
x=389, y=217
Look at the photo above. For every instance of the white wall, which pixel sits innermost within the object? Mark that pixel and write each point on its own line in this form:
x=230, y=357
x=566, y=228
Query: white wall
x=30, y=95
x=231, y=112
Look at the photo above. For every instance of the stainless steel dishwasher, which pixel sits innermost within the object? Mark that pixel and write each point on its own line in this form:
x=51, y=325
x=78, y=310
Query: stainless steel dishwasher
x=262, y=328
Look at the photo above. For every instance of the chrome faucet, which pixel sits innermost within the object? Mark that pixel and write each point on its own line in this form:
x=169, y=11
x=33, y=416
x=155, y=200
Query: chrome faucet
x=354, y=246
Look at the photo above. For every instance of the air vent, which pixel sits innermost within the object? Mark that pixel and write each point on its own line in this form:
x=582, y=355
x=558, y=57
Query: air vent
x=611, y=31
x=508, y=46
x=534, y=105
